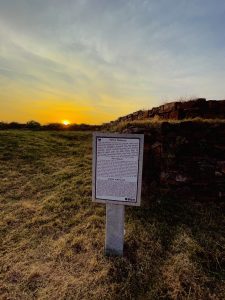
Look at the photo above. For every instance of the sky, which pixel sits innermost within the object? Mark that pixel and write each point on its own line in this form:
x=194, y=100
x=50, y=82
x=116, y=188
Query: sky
x=91, y=61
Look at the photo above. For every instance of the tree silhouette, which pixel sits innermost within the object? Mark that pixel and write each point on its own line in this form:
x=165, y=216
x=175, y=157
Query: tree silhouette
x=33, y=125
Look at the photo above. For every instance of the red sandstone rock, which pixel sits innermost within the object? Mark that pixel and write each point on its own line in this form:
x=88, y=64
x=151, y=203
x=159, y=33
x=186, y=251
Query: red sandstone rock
x=211, y=109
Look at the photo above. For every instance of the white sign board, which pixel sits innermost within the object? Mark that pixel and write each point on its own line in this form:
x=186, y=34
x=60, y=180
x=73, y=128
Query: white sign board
x=117, y=168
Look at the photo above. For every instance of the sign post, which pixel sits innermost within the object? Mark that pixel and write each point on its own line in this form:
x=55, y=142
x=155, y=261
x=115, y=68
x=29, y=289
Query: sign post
x=114, y=238
x=117, y=178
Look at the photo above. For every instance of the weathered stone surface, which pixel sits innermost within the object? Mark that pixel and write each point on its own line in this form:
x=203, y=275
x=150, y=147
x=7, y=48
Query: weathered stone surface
x=185, y=157
x=211, y=109
x=221, y=166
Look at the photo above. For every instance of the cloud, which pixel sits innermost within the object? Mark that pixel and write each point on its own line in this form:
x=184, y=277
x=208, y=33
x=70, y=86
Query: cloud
x=112, y=56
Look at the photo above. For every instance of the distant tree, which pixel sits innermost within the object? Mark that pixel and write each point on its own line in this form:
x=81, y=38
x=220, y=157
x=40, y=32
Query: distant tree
x=15, y=125
x=3, y=125
x=53, y=126
x=33, y=125
x=73, y=127
x=83, y=127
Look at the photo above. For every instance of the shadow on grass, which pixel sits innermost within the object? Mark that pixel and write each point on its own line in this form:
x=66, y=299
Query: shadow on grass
x=158, y=236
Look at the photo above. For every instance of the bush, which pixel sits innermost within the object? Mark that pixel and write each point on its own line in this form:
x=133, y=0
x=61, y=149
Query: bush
x=33, y=125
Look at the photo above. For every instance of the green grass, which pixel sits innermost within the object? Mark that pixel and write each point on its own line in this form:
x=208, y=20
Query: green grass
x=52, y=235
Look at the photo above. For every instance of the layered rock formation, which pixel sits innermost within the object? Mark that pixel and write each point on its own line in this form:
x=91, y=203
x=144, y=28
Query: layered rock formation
x=211, y=109
x=185, y=160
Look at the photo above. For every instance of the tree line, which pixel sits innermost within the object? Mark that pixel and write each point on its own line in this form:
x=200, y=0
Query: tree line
x=34, y=125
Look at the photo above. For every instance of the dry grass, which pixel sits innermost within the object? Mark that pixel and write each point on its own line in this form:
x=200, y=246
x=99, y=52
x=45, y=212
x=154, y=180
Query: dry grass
x=156, y=121
x=52, y=236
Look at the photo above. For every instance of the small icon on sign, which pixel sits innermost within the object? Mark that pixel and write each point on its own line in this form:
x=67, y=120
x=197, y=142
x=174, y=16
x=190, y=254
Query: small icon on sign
x=99, y=139
x=129, y=199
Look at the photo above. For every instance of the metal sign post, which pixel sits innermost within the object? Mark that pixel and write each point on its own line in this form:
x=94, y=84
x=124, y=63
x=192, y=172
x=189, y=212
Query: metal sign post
x=117, y=178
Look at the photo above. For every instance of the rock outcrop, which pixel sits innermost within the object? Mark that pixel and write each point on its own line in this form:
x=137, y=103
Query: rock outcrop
x=202, y=108
x=185, y=160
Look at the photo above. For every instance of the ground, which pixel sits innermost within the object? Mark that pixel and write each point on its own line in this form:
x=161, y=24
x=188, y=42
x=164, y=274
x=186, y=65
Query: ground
x=52, y=235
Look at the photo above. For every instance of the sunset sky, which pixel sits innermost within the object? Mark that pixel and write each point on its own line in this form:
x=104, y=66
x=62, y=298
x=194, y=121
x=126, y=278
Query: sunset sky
x=91, y=61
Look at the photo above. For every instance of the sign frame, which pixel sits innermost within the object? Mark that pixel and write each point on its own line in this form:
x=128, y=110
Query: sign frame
x=140, y=166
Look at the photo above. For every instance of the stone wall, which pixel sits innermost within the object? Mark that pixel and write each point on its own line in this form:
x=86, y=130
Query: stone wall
x=184, y=160
x=210, y=109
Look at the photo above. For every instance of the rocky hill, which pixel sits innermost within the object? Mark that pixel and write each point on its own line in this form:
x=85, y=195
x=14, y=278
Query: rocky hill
x=202, y=108
x=185, y=158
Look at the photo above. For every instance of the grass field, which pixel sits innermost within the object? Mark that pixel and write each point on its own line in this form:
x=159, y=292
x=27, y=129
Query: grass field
x=52, y=236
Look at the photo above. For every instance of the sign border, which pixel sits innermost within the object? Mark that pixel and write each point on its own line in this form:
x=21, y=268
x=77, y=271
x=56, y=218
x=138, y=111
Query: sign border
x=140, y=165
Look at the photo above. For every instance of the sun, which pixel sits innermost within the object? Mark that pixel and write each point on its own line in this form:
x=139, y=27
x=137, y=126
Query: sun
x=66, y=122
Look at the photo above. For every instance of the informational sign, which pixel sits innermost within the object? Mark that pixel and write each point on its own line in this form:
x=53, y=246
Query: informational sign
x=117, y=168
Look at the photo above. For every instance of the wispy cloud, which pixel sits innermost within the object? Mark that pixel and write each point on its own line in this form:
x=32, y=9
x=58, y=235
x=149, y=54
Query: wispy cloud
x=106, y=58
